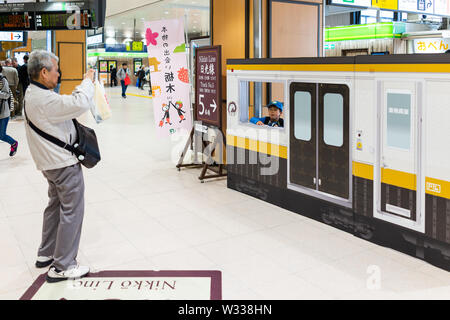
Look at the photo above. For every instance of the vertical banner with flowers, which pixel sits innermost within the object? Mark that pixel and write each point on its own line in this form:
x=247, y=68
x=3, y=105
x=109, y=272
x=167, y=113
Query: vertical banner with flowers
x=170, y=76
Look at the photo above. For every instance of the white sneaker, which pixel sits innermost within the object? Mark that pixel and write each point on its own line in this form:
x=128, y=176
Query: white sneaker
x=43, y=262
x=76, y=272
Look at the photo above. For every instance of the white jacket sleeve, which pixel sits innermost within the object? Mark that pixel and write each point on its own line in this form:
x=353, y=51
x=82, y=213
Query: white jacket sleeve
x=68, y=107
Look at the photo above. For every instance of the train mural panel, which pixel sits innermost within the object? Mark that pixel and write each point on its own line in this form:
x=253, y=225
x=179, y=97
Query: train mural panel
x=365, y=145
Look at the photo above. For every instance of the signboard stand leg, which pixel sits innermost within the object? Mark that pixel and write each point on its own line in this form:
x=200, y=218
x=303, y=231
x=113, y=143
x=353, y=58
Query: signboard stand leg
x=197, y=144
x=219, y=172
x=189, y=144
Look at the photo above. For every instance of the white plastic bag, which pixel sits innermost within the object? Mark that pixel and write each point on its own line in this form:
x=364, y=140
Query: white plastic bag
x=101, y=109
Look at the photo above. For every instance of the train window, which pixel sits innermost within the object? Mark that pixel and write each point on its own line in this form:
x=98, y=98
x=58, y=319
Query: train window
x=398, y=120
x=254, y=97
x=243, y=101
x=333, y=119
x=302, y=111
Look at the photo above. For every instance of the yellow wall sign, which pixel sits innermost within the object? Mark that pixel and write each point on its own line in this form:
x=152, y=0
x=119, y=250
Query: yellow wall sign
x=137, y=46
x=385, y=4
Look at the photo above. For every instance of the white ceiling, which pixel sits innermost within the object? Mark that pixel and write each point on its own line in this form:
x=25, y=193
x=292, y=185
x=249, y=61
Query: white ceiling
x=122, y=25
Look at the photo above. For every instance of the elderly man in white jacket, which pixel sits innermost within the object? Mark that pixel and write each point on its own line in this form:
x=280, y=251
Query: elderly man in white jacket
x=53, y=114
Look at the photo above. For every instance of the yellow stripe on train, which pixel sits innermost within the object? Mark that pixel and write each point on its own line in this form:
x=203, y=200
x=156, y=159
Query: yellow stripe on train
x=435, y=187
x=420, y=68
x=258, y=146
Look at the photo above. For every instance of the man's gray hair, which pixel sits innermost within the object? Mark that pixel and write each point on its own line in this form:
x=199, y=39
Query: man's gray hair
x=39, y=60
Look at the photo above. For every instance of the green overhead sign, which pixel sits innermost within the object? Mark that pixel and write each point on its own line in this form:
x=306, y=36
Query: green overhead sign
x=383, y=30
x=118, y=54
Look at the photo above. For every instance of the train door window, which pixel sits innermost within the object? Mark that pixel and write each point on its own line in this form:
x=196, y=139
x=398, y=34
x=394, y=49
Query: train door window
x=333, y=126
x=302, y=112
x=333, y=141
x=398, y=127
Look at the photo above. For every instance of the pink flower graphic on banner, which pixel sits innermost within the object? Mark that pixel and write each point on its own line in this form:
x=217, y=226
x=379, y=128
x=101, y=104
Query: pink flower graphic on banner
x=151, y=37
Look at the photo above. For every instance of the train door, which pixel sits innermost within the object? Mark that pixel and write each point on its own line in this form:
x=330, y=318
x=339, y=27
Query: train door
x=303, y=145
x=398, y=171
x=319, y=141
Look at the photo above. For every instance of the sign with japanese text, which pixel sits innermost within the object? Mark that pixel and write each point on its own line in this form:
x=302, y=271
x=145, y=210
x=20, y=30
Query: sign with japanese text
x=96, y=39
x=137, y=46
x=434, y=7
x=170, y=76
x=208, y=77
x=419, y=6
x=442, y=7
x=131, y=285
x=385, y=4
x=431, y=45
x=356, y=3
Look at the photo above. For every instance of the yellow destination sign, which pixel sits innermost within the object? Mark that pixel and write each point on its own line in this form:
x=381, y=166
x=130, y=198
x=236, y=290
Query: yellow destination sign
x=385, y=4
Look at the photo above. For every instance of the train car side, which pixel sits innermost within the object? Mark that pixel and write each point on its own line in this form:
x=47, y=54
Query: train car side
x=364, y=146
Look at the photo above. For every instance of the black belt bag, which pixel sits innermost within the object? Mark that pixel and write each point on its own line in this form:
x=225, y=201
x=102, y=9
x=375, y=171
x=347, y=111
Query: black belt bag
x=85, y=149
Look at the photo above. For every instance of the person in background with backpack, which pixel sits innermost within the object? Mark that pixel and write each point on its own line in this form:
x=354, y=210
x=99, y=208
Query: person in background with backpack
x=12, y=76
x=123, y=74
x=6, y=106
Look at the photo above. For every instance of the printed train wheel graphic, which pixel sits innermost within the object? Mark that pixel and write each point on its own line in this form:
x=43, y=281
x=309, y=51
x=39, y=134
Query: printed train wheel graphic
x=183, y=75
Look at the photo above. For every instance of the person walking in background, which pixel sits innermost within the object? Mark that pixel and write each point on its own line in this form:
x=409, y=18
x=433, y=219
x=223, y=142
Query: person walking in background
x=141, y=76
x=123, y=74
x=12, y=76
x=113, y=76
x=53, y=114
x=6, y=105
x=24, y=82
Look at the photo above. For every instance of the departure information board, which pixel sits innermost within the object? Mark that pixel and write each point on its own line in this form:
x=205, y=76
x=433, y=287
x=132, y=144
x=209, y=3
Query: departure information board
x=62, y=20
x=431, y=7
x=16, y=21
x=61, y=15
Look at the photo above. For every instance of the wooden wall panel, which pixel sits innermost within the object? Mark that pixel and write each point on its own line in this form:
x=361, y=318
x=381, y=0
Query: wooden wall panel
x=294, y=30
x=70, y=47
x=72, y=60
x=228, y=30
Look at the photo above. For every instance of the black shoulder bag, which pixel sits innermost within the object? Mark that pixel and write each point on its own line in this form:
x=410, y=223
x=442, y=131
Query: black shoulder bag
x=85, y=148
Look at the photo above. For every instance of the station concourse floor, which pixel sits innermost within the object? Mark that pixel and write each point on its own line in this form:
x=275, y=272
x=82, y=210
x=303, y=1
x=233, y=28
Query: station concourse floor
x=142, y=214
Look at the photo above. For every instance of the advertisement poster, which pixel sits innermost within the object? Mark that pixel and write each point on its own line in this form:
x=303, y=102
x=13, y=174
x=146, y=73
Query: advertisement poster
x=112, y=64
x=170, y=76
x=137, y=64
x=103, y=66
x=419, y=6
